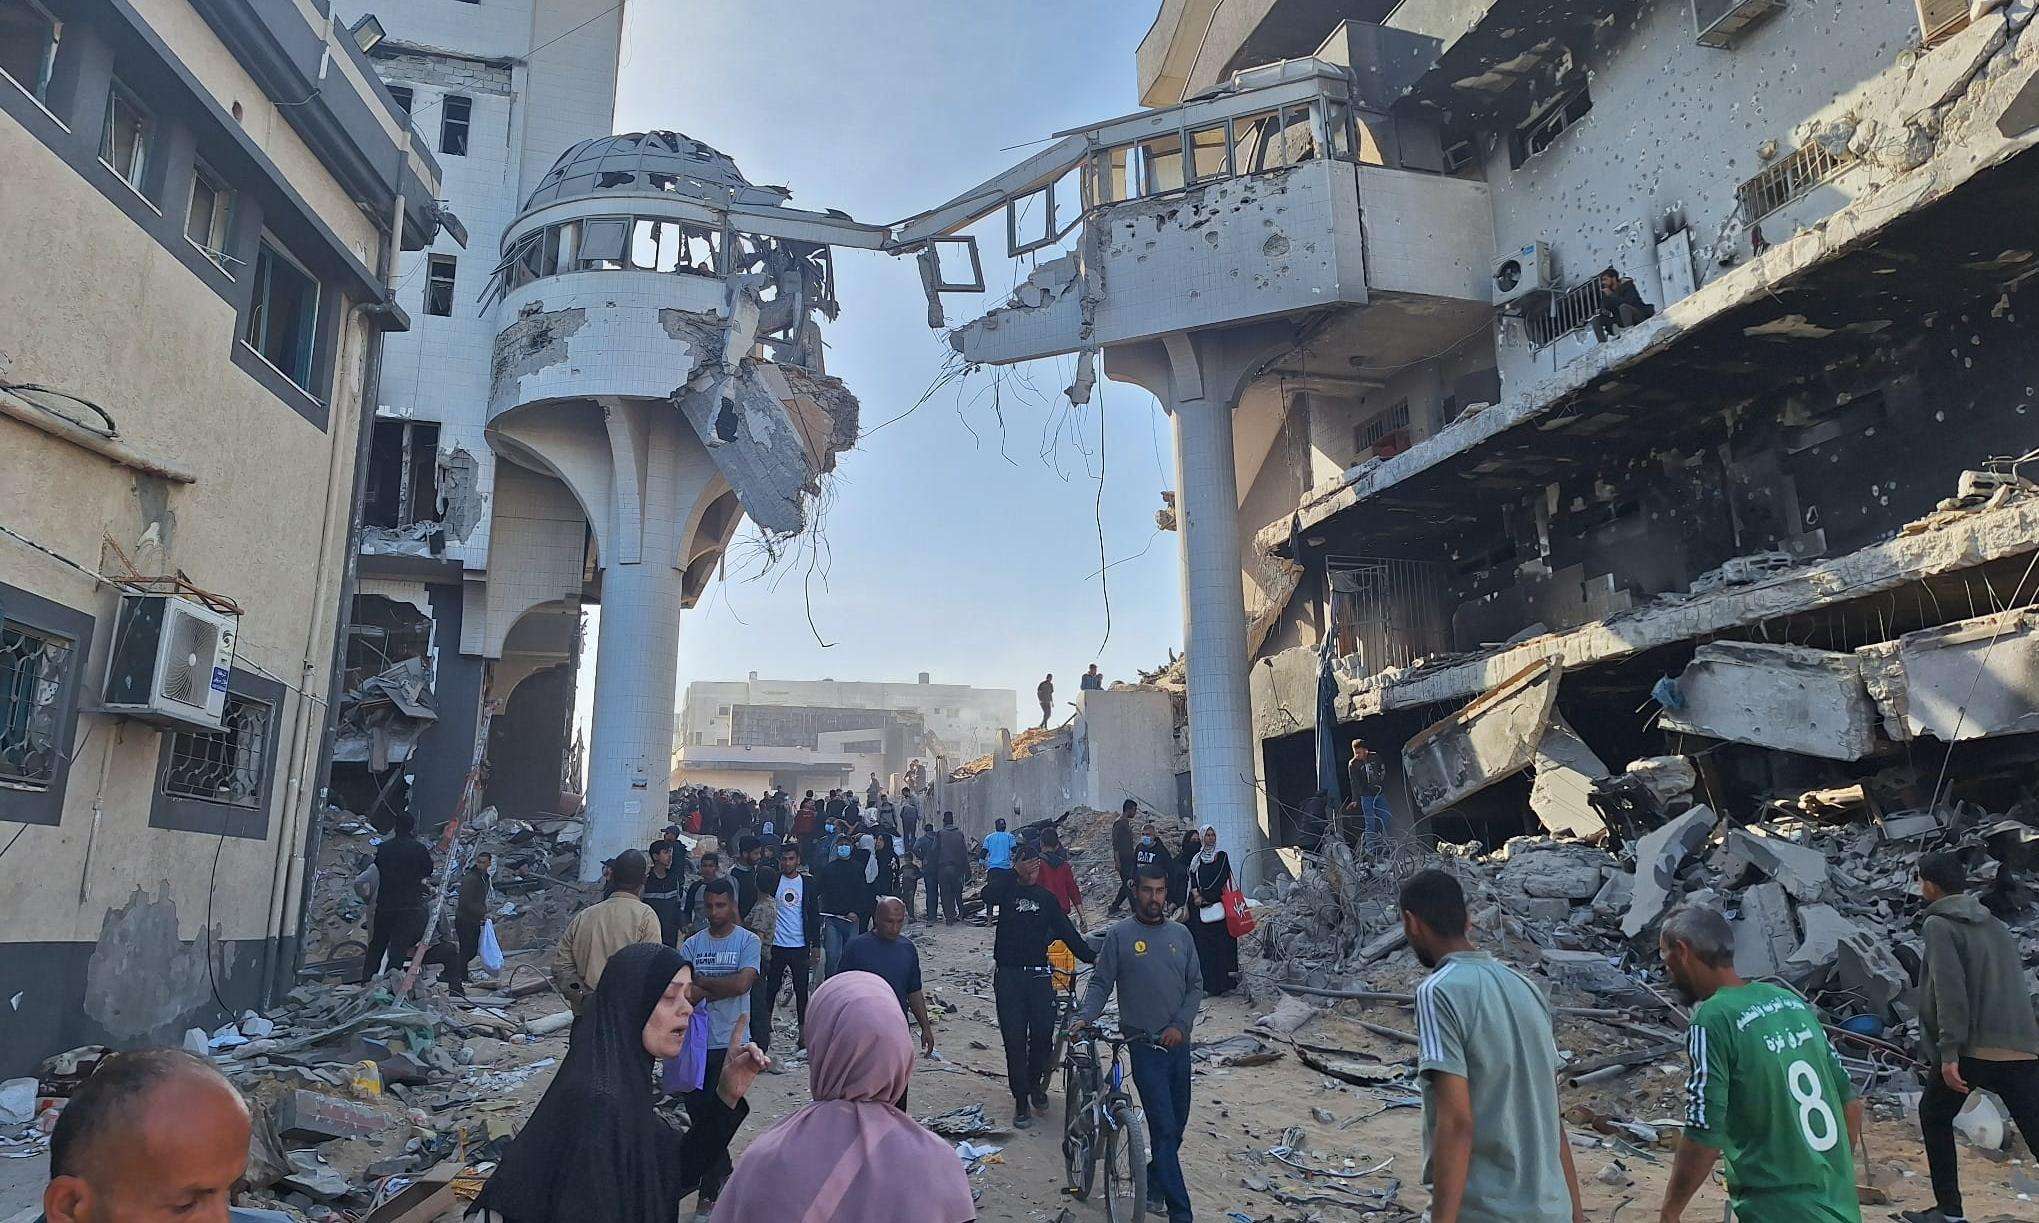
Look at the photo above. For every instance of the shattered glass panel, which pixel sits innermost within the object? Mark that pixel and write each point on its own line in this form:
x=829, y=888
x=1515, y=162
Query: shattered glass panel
x=1161, y=158
x=1253, y=140
x=1209, y=150
x=1298, y=142
x=32, y=670
x=222, y=766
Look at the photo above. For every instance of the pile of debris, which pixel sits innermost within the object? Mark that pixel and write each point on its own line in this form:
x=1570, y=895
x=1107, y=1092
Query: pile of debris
x=533, y=882
x=1823, y=900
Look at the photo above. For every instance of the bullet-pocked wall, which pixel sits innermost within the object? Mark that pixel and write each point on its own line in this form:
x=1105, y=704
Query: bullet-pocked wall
x=147, y=879
x=1679, y=127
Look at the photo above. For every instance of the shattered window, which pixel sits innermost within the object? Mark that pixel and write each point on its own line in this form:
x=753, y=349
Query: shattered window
x=1161, y=159
x=402, y=485
x=283, y=319
x=28, y=45
x=226, y=765
x=455, y=113
x=402, y=94
x=124, y=145
x=1338, y=126
x=1548, y=124
x=439, y=285
x=1209, y=149
x=1115, y=180
x=212, y=207
x=1298, y=142
x=33, y=666
x=1253, y=140
x=602, y=242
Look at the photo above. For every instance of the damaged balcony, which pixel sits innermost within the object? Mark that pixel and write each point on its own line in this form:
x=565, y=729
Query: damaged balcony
x=1268, y=197
x=646, y=267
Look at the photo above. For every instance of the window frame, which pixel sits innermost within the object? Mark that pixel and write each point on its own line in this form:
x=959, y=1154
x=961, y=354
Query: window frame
x=137, y=175
x=45, y=805
x=39, y=89
x=271, y=245
x=447, y=123
x=404, y=96
x=434, y=283
x=1560, y=107
x=178, y=813
x=221, y=229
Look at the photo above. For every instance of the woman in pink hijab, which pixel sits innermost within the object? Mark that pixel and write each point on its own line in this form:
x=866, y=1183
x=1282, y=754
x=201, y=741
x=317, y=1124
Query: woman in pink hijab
x=839, y=1159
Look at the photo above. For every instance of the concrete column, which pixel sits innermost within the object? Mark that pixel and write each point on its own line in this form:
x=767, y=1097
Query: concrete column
x=636, y=662
x=1220, y=708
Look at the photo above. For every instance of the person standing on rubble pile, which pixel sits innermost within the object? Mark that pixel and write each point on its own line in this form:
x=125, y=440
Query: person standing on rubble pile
x=1976, y=1025
x=663, y=890
x=599, y=931
x=1152, y=963
x=1047, y=694
x=1210, y=873
x=1485, y=1050
x=1124, y=846
x=1367, y=777
x=727, y=959
x=1765, y=1091
x=998, y=873
x=795, y=944
x=402, y=867
x=954, y=867
x=1022, y=983
x=471, y=909
x=1092, y=681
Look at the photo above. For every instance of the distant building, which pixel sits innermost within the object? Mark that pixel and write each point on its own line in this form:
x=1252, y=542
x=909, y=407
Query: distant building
x=957, y=722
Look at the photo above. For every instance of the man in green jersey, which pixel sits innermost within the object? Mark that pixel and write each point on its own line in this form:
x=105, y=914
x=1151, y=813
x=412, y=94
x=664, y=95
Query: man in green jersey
x=1766, y=1090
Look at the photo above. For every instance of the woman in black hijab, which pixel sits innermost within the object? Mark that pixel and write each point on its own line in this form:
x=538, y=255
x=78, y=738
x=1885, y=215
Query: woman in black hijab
x=594, y=1150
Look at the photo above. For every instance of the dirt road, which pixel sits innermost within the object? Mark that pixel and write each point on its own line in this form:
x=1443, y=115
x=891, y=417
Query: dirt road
x=1241, y=1112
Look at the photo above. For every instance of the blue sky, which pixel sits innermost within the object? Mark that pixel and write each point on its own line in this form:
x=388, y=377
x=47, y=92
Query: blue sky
x=949, y=548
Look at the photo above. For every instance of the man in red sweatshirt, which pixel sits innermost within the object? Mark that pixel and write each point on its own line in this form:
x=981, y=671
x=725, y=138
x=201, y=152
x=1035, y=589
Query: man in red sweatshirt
x=1059, y=877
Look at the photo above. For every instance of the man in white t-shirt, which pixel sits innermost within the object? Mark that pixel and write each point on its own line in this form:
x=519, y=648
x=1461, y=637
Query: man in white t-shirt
x=795, y=940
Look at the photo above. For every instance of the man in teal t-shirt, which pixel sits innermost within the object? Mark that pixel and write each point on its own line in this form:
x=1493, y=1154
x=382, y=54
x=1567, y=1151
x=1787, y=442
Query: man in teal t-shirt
x=1765, y=1091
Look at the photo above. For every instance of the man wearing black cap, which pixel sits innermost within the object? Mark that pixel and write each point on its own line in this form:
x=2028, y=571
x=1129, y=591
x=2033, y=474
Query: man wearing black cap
x=1029, y=919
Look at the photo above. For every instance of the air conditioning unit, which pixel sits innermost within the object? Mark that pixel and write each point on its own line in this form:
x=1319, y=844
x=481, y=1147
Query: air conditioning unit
x=1720, y=22
x=1525, y=273
x=170, y=661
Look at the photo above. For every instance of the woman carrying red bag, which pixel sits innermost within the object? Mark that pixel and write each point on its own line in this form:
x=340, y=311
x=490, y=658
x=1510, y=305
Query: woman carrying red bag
x=1210, y=877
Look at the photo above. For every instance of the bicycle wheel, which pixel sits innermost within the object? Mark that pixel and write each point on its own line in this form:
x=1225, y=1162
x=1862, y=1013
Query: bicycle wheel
x=1125, y=1165
x=1079, y=1146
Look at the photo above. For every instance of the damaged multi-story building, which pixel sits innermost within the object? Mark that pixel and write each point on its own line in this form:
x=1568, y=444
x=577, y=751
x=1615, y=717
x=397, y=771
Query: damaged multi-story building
x=204, y=202
x=622, y=363
x=1750, y=500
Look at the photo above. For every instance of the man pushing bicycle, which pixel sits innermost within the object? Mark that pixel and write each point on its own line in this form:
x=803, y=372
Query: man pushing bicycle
x=1152, y=962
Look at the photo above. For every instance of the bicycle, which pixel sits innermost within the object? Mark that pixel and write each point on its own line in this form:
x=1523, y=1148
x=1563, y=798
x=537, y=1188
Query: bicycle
x=1101, y=1124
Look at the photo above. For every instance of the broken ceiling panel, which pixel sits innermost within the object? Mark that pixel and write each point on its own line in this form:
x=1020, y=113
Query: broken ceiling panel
x=1489, y=740
x=1777, y=696
x=1973, y=679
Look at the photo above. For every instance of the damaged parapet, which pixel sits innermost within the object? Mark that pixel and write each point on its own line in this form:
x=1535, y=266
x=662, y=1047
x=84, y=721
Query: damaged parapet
x=645, y=266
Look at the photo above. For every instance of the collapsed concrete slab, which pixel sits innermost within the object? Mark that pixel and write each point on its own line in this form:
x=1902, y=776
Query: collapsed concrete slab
x=1657, y=859
x=1561, y=794
x=1765, y=935
x=1493, y=738
x=1973, y=679
x=1777, y=696
x=1865, y=969
x=1554, y=870
x=1801, y=870
x=1825, y=929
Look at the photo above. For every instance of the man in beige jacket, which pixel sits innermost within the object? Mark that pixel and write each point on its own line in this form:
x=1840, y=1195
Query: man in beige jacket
x=601, y=930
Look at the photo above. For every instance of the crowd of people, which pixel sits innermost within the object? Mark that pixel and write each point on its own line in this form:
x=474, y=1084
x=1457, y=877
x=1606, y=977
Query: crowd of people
x=674, y=975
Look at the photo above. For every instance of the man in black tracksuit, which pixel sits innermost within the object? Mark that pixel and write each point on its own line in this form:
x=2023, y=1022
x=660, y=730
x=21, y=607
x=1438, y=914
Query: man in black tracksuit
x=402, y=865
x=1029, y=919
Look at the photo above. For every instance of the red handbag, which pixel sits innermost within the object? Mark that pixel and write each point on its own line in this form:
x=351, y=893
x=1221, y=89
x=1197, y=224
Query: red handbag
x=1238, y=918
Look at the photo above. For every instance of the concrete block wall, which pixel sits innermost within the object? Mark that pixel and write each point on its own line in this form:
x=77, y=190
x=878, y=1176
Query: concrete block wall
x=1121, y=745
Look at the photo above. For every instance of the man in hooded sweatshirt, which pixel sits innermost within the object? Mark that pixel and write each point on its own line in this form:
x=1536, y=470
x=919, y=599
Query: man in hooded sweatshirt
x=1975, y=1022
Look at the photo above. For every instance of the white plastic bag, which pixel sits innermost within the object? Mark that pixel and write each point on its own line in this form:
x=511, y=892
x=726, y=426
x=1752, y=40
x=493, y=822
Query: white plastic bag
x=491, y=950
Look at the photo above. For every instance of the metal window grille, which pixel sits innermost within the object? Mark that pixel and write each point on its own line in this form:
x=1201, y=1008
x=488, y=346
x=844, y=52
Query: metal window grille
x=1566, y=312
x=223, y=766
x=1788, y=179
x=33, y=667
x=1388, y=612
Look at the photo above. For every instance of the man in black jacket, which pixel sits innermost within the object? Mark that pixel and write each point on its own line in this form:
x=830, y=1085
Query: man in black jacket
x=1621, y=306
x=1029, y=919
x=663, y=888
x=793, y=947
x=1124, y=846
x=402, y=865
